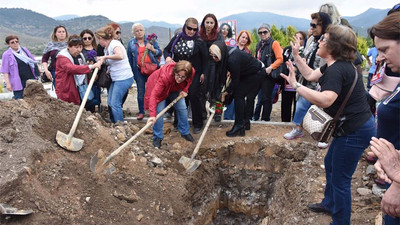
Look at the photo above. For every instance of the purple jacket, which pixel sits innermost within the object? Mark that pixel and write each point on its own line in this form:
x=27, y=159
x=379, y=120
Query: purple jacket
x=9, y=65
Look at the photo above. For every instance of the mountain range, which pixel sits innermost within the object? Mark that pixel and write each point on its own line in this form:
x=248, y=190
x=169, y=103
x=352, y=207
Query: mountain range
x=34, y=29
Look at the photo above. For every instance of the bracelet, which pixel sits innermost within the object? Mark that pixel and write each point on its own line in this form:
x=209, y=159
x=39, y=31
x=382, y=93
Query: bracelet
x=297, y=86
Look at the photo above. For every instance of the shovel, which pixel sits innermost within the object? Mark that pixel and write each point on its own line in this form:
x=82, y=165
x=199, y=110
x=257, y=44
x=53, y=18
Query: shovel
x=97, y=162
x=8, y=210
x=68, y=142
x=192, y=164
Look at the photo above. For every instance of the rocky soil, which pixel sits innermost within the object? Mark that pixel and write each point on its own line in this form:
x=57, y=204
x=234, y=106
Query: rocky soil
x=257, y=179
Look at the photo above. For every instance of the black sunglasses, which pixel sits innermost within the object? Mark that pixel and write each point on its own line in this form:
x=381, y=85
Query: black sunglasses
x=87, y=38
x=313, y=25
x=191, y=28
x=263, y=32
x=118, y=32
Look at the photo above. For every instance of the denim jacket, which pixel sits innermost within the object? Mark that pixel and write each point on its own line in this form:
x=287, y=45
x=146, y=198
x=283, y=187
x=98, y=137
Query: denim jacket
x=133, y=54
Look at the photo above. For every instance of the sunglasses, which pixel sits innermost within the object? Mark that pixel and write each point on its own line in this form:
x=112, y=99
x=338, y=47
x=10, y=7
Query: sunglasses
x=87, y=38
x=180, y=77
x=313, y=25
x=14, y=42
x=323, y=39
x=263, y=32
x=118, y=32
x=191, y=28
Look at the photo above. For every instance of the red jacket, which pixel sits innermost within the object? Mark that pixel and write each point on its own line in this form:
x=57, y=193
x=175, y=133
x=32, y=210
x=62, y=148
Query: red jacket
x=65, y=83
x=160, y=84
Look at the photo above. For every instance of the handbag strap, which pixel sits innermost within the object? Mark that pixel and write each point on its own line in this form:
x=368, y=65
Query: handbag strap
x=336, y=118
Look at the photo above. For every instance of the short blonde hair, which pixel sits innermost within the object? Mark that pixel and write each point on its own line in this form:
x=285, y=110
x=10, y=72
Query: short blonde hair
x=183, y=65
x=214, y=49
x=137, y=25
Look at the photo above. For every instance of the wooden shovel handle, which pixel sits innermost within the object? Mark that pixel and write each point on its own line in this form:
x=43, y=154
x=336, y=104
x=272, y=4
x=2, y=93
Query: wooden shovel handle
x=203, y=134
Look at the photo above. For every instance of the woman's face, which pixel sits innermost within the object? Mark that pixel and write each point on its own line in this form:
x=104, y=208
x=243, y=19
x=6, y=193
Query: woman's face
x=180, y=76
x=323, y=50
x=263, y=33
x=316, y=29
x=61, y=34
x=301, y=38
x=209, y=24
x=243, y=39
x=75, y=50
x=14, y=44
x=87, y=39
x=191, y=29
x=389, y=51
x=102, y=42
x=224, y=31
x=117, y=33
x=139, y=32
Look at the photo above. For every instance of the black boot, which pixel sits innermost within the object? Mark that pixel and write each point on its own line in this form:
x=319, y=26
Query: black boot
x=247, y=125
x=236, y=130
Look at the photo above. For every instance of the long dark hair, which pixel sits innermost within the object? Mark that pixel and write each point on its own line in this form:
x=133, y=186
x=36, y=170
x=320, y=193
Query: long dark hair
x=214, y=31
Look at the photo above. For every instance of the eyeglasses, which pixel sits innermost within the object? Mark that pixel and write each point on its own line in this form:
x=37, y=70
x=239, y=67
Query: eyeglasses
x=323, y=39
x=214, y=55
x=191, y=28
x=263, y=32
x=118, y=32
x=313, y=25
x=14, y=42
x=180, y=77
x=87, y=38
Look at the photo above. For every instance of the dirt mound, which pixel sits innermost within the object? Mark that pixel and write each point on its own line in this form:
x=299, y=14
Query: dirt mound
x=260, y=178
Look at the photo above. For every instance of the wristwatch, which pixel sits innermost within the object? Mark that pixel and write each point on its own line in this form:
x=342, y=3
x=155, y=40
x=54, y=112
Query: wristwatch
x=297, y=86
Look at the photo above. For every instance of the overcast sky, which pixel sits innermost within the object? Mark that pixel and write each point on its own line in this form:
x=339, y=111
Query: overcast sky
x=176, y=11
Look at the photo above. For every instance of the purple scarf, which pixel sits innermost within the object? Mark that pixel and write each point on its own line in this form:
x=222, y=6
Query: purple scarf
x=184, y=36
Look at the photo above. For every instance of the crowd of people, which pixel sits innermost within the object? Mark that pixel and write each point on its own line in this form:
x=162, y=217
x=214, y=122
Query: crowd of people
x=203, y=63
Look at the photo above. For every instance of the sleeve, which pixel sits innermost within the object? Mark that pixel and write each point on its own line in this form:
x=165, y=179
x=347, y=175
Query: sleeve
x=4, y=65
x=332, y=79
x=167, y=52
x=158, y=50
x=204, y=57
x=234, y=69
x=369, y=52
x=156, y=95
x=45, y=57
x=276, y=48
x=129, y=53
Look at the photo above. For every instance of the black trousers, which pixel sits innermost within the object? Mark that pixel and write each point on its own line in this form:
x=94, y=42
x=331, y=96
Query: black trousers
x=248, y=87
x=196, y=103
x=288, y=99
x=266, y=85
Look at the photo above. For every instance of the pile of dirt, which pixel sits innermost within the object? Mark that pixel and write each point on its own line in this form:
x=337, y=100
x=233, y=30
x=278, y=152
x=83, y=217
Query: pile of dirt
x=259, y=178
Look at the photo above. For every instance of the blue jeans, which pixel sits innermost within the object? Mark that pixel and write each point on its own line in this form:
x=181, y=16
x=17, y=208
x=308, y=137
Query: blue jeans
x=302, y=106
x=340, y=163
x=229, y=113
x=181, y=113
x=116, y=94
x=18, y=94
x=141, y=89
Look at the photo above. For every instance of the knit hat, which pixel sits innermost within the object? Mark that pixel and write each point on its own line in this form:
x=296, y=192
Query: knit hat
x=266, y=26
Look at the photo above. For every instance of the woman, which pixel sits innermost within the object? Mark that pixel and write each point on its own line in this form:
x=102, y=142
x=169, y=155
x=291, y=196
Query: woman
x=188, y=46
x=120, y=71
x=71, y=71
x=288, y=94
x=244, y=41
x=117, y=36
x=90, y=53
x=386, y=145
x=246, y=73
x=18, y=66
x=356, y=127
x=209, y=34
x=226, y=32
x=271, y=61
x=136, y=48
x=58, y=41
x=169, y=82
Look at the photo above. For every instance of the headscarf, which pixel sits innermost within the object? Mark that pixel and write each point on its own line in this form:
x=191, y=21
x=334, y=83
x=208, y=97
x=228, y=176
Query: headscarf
x=54, y=46
x=184, y=36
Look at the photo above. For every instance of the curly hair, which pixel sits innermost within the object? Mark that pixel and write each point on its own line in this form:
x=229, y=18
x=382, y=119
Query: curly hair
x=229, y=35
x=342, y=42
x=107, y=33
x=183, y=65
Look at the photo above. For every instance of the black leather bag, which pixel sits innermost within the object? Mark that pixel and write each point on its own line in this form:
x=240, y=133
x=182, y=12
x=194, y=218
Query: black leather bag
x=104, y=78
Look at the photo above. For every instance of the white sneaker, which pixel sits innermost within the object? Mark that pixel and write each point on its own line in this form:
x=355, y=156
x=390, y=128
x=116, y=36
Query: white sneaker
x=322, y=145
x=294, y=134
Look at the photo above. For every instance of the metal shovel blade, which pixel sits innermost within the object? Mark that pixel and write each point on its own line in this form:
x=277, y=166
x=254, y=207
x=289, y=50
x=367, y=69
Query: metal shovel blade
x=8, y=210
x=69, y=143
x=99, y=160
x=190, y=165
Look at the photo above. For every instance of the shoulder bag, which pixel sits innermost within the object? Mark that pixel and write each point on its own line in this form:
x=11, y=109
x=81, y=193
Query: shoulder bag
x=147, y=68
x=321, y=125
